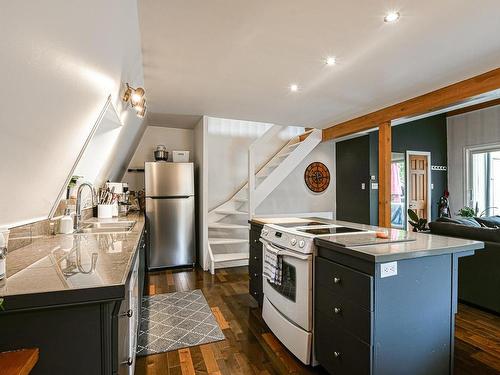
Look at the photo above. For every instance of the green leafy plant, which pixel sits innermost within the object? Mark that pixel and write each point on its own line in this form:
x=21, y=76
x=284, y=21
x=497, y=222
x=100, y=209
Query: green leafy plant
x=73, y=181
x=466, y=212
x=1, y=304
x=418, y=224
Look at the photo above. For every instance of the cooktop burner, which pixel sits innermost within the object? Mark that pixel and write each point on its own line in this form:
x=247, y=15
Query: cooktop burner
x=334, y=230
x=301, y=224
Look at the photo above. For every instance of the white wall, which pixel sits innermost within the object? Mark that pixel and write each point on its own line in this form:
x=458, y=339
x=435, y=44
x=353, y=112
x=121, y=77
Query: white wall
x=469, y=129
x=201, y=178
x=172, y=138
x=293, y=196
x=227, y=143
x=61, y=60
x=227, y=153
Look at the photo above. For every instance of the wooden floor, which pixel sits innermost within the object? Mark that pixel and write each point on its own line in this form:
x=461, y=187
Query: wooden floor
x=250, y=348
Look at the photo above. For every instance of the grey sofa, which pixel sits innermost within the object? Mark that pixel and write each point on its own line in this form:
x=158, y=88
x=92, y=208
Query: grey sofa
x=479, y=275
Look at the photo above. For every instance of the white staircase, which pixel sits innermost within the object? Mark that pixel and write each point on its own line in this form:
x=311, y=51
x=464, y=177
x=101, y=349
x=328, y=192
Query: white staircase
x=228, y=223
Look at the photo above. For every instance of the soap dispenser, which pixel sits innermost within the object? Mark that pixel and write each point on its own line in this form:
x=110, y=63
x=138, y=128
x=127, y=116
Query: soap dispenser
x=66, y=223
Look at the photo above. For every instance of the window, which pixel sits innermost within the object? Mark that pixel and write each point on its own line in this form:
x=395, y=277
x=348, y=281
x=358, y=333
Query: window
x=483, y=185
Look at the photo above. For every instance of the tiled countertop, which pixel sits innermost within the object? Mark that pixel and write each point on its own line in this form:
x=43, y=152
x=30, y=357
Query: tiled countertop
x=59, y=265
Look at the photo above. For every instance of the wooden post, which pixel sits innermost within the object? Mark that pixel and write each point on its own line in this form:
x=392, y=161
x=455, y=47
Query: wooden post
x=384, y=174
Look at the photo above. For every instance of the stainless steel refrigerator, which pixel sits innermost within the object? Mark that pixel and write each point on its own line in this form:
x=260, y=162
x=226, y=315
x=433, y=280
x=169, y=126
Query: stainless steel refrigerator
x=170, y=211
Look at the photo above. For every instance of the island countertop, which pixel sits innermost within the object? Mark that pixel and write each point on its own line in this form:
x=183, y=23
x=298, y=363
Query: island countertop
x=58, y=269
x=404, y=245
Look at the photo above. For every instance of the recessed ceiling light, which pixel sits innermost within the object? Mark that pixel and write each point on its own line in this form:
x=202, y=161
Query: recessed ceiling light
x=391, y=17
x=294, y=87
x=330, y=61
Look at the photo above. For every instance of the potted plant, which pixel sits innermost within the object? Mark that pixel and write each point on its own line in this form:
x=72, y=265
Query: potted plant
x=71, y=185
x=466, y=212
x=418, y=224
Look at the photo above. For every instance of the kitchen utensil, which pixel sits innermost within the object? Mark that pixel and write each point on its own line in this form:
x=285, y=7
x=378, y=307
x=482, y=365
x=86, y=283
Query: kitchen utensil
x=161, y=153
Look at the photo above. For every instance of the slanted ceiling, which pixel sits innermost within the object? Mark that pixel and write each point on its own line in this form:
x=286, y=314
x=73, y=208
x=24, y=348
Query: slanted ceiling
x=60, y=62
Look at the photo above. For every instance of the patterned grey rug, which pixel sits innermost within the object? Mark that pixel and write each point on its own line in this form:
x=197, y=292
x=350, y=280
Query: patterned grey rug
x=174, y=321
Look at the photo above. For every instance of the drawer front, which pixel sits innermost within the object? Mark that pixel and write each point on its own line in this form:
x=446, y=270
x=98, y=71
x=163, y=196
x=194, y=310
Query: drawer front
x=338, y=351
x=345, y=282
x=345, y=314
x=255, y=289
x=254, y=238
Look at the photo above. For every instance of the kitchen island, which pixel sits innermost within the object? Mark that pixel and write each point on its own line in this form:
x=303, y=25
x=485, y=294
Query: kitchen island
x=77, y=298
x=383, y=305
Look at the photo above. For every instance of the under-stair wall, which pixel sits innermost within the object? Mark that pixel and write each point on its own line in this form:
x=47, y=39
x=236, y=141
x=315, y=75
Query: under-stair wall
x=226, y=153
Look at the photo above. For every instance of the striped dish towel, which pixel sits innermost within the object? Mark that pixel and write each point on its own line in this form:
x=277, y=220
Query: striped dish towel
x=272, y=265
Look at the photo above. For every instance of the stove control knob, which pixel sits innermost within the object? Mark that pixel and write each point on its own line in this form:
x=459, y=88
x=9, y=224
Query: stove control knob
x=264, y=232
x=293, y=241
x=302, y=243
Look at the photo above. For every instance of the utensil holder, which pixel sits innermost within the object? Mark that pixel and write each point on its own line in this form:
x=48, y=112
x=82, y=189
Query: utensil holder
x=105, y=211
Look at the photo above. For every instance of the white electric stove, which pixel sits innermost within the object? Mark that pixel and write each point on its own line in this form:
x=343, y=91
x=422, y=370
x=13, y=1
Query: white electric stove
x=288, y=308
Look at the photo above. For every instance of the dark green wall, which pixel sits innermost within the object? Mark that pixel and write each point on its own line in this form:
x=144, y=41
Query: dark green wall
x=428, y=134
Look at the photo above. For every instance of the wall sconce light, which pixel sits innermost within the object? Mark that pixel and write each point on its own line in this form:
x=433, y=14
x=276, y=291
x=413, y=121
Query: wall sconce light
x=136, y=98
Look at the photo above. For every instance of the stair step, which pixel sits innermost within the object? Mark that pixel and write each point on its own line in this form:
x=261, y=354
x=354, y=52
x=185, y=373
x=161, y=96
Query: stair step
x=226, y=241
x=218, y=258
x=226, y=226
x=230, y=212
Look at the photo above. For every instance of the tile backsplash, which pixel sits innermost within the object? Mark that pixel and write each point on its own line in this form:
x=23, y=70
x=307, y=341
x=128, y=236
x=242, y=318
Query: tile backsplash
x=22, y=235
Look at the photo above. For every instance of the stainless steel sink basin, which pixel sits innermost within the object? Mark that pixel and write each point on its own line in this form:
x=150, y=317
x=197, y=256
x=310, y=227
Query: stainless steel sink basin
x=112, y=227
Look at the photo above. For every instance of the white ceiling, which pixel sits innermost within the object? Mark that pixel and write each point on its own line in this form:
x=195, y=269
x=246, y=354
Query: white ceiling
x=237, y=58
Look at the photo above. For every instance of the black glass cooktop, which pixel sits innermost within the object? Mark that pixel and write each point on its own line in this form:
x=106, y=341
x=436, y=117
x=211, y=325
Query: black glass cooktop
x=301, y=224
x=337, y=230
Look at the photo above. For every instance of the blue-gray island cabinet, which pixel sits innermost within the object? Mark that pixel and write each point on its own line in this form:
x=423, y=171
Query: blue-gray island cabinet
x=388, y=308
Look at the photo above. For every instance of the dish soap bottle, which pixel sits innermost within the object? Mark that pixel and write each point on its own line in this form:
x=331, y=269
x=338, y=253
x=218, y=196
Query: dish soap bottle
x=66, y=223
x=4, y=235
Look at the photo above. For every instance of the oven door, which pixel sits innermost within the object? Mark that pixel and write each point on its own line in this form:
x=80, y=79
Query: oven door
x=293, y=298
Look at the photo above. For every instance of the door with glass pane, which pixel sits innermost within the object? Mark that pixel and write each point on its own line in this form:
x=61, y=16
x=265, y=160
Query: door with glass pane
x=483, y=185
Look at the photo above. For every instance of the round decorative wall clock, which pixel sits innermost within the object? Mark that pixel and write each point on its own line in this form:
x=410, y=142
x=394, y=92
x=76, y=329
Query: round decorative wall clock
x=317, y=177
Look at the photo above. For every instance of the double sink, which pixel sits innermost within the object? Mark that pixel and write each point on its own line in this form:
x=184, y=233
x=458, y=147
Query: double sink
x=103, y=227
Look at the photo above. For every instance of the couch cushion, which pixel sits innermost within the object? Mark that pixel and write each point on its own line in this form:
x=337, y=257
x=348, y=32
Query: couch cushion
x=465, y=231
x=489, y=221
x=469, y=221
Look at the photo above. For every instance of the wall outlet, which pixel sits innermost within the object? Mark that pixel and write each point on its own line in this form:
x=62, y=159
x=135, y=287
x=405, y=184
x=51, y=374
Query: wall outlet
x=374, y=185
x=363, y=186
x=388, y=269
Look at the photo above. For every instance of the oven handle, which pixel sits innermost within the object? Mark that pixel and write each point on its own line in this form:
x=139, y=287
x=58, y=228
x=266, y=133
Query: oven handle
x=283, y=251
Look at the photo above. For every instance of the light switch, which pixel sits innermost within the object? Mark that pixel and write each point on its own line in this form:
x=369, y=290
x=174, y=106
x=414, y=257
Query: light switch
x=374, y=185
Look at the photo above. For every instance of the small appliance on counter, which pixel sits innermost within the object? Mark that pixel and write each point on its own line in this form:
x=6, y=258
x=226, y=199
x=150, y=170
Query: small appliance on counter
x=180, y=156
x=161, y=153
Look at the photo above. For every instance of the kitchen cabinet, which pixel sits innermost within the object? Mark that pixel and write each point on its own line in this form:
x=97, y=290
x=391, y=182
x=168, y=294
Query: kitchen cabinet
x=81, y=331
x=369, y=321
x=255, y=263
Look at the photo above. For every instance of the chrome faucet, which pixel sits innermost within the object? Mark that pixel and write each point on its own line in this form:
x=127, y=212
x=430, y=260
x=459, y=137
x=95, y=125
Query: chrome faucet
x=78, y=216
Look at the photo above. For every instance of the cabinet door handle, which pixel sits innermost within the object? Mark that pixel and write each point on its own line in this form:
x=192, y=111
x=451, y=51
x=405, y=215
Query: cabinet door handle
x=336, y=354
x=336, y=280
x=129, y=361
x=337, y=310
x=129, y=313
x=256, y=274
x=255, y=258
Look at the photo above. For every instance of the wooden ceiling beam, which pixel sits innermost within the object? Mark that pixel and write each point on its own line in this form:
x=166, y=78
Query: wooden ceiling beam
x=438, y=99
x=490, y=103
